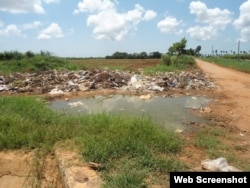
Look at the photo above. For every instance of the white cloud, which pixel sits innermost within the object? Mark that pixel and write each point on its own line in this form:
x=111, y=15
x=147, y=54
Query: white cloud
x=21, y=6
x=113, y=27
x=215, y=20
x=204, y=33
x=215, y=17
x=10, y=30
x=149, y=15
x=53, y=31
x=94, y=6
x=108, y=23
x=32, y=25
x=170, y=25
x=243, y=22
x=134, y=15
x=17, y=30
x=51, y=1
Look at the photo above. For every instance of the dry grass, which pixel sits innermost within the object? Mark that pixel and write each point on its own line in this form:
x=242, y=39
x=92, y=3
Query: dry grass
x=121, y=64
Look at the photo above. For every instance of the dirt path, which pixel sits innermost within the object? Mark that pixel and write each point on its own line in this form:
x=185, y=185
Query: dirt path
x=233, y=94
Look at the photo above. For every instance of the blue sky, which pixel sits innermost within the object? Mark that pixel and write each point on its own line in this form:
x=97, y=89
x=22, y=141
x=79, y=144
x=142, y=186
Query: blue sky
x=96, y=28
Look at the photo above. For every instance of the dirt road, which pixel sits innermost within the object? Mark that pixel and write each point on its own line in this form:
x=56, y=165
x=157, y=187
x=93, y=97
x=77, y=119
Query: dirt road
x=233, y=94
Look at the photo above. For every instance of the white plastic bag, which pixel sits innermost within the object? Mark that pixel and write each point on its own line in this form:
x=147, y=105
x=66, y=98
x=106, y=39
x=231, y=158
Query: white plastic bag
x=219, y=165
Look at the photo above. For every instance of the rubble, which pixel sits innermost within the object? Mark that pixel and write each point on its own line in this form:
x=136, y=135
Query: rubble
x=59, y=82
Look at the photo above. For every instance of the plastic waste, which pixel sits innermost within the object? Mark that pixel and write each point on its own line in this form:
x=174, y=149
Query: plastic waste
x=219, y=165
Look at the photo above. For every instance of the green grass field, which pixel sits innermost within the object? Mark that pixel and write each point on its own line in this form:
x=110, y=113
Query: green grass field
x=237, y=64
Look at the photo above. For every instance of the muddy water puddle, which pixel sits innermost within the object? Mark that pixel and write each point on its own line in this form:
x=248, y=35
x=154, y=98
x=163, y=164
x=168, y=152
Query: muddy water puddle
x=171, y=113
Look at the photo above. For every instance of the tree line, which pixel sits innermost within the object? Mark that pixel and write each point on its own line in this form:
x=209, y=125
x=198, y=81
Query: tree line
x=141, y=55
x=15, y=55
x=178, y=48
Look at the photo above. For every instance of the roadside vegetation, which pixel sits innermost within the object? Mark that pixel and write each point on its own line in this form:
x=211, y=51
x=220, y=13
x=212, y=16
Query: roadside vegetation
x=13, y=61
x=177, y=58
x=242, y=63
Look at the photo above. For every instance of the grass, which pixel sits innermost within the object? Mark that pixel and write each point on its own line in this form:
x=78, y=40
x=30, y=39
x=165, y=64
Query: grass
x=237, y=64
x=35, y=63
x=120, y=143
x=212, y=140
x=208, y=139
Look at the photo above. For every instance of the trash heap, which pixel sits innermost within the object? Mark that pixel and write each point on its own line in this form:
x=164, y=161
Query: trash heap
x=84, y=80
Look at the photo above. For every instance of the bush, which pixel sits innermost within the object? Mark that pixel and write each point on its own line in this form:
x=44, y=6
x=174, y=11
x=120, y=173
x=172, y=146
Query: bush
x=166, y=60
x=17, y=62
x=174, y=60
x=185, y=59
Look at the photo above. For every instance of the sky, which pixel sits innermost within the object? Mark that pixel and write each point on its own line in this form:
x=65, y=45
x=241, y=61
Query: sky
x=96, y=28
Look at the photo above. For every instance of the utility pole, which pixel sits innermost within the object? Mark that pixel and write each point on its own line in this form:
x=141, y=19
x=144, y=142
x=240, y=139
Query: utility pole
x=238, y=49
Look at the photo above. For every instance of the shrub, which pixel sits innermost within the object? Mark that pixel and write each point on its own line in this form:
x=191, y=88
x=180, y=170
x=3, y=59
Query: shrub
x=166, y=60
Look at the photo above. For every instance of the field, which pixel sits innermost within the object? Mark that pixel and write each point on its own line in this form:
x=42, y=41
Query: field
x=120, y=64
x=237, y=64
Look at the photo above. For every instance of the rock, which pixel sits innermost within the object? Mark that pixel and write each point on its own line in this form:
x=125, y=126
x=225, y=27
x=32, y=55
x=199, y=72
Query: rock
x=74, y=173
x=219, y=165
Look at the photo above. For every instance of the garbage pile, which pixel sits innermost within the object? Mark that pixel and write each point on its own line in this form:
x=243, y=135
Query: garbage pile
x=84, y=80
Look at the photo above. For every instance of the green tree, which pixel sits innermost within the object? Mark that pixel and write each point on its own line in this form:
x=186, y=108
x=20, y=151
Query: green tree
x=155, y=55
x=197, y=50
x=177, y=49
x=29, y=54
x=143, y=55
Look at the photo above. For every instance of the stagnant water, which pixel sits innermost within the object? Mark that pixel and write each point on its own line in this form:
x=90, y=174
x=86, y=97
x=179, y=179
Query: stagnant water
x=172, y=113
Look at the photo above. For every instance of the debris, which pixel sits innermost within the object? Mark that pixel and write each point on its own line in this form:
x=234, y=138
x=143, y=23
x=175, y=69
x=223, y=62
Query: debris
x=56, y=92
x=76, y=104
x=94, y=166
x=178, y=131
x=205, y=110
x=57, y=82
x=145, y=97
x=219, y=165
